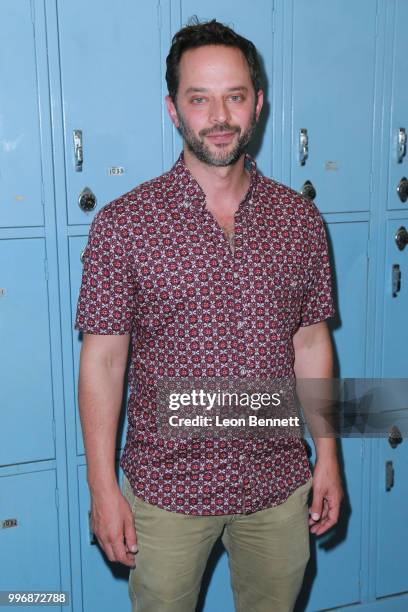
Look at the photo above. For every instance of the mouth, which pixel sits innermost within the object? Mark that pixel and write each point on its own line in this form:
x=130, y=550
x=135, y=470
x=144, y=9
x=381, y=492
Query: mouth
x=221, y=137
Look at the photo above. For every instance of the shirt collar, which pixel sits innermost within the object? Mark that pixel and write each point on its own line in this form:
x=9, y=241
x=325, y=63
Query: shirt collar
x=190, y=192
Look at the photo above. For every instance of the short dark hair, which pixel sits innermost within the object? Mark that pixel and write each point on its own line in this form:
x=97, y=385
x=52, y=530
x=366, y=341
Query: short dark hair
x=208, y=33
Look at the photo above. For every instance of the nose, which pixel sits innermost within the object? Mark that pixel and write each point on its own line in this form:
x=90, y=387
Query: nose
x=219, y=112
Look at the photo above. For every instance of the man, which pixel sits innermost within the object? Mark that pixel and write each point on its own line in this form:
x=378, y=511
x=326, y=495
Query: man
x=213, y=271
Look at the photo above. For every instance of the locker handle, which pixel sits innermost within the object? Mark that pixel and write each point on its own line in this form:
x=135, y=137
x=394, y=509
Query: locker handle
x=78, y=153
x=402, y=145
x=389, y=475
x=396, y=280
x=303, y=146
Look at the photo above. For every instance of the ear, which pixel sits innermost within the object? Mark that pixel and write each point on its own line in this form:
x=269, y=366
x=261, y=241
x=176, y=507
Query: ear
x=259, y=103
x=171, y=108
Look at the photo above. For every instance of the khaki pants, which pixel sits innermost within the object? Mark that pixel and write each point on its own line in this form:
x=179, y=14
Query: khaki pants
x=268, y=551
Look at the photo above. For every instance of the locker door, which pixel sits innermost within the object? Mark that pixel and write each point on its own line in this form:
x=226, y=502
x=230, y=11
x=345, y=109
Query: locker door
x=111, y=83
x=349, y=241
x=333, y=84
x=398, y=160
x=392, y=515
x=29, y=551
x=20, y=147
x=395, y=329
x=26, y=385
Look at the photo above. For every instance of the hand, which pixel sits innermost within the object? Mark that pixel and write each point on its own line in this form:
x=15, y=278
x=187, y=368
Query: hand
x=327, y=495
x=113, y=524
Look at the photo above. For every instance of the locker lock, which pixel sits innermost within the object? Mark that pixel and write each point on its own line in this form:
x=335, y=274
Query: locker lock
x=308, y=190
x=87, y=200
x=401, y=238
x=402, y=189
x=395, y=437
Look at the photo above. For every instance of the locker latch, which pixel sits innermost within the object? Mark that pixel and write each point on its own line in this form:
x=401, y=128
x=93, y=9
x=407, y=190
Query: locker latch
x=303, y=146
x=78, y=153
x=389, y=475
x=401, y=145
x=396, y=280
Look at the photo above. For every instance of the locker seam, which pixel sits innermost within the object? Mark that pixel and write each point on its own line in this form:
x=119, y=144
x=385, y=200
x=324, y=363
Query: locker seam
x=159, y=16
x=32, y=12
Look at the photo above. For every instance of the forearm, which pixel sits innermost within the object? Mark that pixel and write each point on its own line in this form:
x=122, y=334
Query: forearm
x=314, y=360
x=100, y=394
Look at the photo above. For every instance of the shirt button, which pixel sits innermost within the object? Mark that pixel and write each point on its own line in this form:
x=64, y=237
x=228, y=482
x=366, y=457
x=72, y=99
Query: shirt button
x=241, y=457
x=240, y=324
x=242, y=371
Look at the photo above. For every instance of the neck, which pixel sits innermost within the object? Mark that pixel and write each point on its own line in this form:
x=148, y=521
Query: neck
x=221, y=184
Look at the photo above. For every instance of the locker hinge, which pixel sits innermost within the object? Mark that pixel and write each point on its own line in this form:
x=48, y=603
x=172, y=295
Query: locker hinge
x=159, y=16
x=54, y=430
x=56, y=497
x=46, y=269
x=273, y=19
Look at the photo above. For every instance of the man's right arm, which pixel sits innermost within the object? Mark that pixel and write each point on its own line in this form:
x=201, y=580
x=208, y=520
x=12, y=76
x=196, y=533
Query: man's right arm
x=100, y=393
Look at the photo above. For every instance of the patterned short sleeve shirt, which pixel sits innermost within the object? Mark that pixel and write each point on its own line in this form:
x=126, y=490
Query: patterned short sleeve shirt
x=157, y=266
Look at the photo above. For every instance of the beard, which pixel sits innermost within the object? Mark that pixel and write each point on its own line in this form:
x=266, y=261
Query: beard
x=197, y=146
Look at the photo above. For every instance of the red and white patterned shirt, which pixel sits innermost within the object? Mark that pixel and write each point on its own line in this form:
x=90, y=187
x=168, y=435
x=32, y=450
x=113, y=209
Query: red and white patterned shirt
x=159, y=267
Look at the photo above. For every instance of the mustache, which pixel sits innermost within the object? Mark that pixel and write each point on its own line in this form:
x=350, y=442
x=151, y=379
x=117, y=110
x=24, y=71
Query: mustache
x=223, y=127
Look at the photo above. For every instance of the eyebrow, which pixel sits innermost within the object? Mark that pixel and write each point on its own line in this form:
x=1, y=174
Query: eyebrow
x=205, y=90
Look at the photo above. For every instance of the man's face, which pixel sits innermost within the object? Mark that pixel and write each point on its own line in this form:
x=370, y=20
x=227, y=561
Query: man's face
x=216, y=109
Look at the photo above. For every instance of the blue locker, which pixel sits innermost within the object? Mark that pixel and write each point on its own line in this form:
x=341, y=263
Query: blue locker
x=333, y=82
x=30, y=555
x=21, y=194
x=26, y=373
x=111, y=86
x=397, y=160
x=34, y=551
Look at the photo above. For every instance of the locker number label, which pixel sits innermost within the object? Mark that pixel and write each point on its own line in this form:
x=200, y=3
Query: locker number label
x=115, y=170
x=12, y=522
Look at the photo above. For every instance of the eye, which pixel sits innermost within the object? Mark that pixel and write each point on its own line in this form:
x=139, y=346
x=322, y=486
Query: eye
x=198, y=100
x=236, y=98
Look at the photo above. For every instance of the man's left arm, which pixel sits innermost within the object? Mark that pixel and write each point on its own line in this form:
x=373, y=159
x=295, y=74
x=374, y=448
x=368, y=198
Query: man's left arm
x=314, y=359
